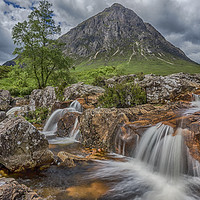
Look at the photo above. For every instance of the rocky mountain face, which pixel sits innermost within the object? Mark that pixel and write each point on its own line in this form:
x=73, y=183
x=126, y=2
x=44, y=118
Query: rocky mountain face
x=117, y=31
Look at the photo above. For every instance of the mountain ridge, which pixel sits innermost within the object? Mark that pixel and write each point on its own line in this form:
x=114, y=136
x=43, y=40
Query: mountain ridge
x=118, y=31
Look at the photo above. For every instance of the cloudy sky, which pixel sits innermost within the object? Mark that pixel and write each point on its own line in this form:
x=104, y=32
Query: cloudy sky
x=177, y=20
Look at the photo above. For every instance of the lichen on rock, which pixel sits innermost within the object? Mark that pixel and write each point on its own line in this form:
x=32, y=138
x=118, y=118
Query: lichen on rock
x=22, y=146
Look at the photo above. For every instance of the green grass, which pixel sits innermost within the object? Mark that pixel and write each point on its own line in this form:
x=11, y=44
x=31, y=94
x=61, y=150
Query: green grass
x=87, y=71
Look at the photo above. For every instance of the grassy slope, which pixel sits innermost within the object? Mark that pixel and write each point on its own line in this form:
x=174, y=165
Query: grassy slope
x=86, y=71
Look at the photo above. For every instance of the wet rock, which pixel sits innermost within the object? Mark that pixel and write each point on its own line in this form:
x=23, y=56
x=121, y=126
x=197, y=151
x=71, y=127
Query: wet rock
x=11, y=189
x=2, y=115
x=70, y=160
x=43, y=97
x=79, y=90
x=68, y=125
x=98, y=126
x=161, y=89
x=112, y=128
x=22, y=146
x=60, y=105
x=5, y=100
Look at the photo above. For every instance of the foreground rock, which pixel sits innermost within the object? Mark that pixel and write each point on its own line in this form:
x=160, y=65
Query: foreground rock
x=22, y=146
x=88, y=93
x=68, y=125
x=5, y=100
x=70, y=160
x=43, y=97
x=12, y=190
x=112, y=128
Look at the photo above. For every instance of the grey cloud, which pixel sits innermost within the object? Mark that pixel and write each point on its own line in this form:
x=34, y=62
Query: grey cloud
x=177, y=20
x=6, y=46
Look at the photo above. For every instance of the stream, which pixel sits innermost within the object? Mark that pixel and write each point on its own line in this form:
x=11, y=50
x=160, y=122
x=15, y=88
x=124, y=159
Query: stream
x=161, y=167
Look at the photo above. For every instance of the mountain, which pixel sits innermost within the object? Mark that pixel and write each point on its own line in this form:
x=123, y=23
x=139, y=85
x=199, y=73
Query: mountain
x=9, y=63
x=119, y=33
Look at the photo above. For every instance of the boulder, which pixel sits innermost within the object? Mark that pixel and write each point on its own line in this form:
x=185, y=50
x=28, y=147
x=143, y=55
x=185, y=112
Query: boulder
x=60, y=105
x=22, y=146
x=69, y=159
x=68, y=125
x=162, y=89
x=5, y=100
x=2, y=115
x=98, y=126
x=81, y=90
x=11, y=189
x=118, y=130
x=43, y=97
x=120, y=79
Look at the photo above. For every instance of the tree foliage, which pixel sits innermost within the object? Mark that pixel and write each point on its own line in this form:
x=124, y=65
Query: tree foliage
x=37, y=47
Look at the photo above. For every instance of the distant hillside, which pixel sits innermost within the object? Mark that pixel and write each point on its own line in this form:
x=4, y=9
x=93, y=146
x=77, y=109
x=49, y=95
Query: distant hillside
x=9, y=63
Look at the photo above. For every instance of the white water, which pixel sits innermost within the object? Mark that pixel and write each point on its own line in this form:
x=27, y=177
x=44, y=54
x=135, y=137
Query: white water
x=50, y=127
x=162, y=168
x=13, y=110
x=195, y=105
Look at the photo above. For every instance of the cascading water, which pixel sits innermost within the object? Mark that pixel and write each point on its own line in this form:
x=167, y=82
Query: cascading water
x=50, y=127
x=161, y=168
x=195, y=105
x=13, y=110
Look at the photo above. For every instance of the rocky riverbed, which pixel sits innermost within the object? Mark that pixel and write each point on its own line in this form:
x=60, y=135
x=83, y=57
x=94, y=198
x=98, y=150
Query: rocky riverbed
x=61, y=171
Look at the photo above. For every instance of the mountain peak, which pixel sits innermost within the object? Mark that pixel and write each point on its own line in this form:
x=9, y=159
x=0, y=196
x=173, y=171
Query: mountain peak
x=118, y=31
x=117, y=5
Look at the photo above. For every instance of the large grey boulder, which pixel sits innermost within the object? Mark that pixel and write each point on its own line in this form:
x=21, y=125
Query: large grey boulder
x=12, y=190
x=81, y=90
x=5, y=100
x=161, y=89
x=22, y=146
x=43, y=97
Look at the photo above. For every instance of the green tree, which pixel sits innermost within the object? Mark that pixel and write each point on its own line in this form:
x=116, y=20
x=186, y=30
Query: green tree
x=36, y=45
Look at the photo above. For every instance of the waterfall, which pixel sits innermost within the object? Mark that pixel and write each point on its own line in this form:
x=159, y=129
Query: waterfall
x=51, y=124
x=75, y=131
x=195, y=105
x=162, y=167
x=50, y=127
x=77, y=106
x=163, y=152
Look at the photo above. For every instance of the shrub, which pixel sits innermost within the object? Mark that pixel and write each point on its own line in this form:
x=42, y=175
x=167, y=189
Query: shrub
x=123, y=96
